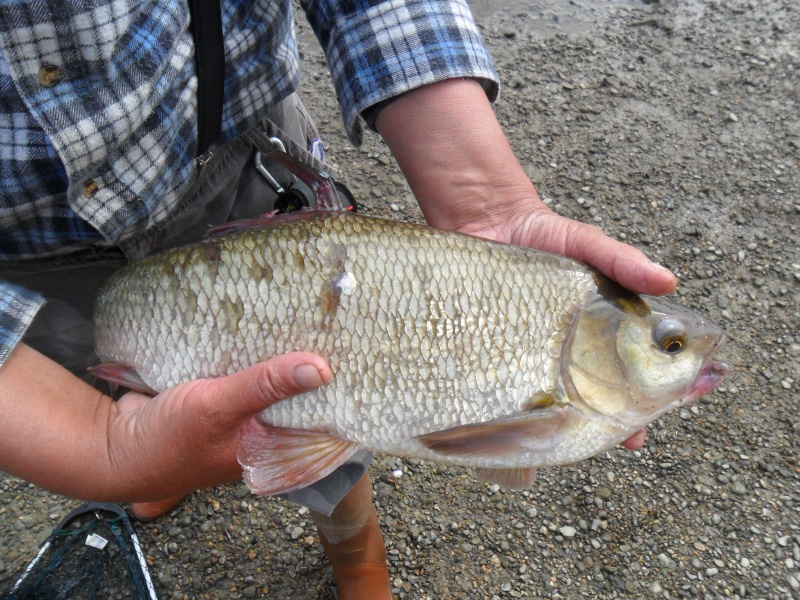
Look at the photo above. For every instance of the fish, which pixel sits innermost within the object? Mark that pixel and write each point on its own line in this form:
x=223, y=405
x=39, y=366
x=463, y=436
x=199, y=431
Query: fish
x=443, y=346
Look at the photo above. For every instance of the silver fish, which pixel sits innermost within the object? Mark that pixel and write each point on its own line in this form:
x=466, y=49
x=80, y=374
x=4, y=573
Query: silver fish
x=443, y=346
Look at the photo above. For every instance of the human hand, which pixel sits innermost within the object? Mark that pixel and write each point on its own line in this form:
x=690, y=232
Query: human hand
x=536, y=226
x=465, y=177
x=64, y=435
x=187, y=437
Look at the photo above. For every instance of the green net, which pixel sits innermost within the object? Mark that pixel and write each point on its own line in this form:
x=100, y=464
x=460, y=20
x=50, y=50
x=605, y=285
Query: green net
x=92, y=554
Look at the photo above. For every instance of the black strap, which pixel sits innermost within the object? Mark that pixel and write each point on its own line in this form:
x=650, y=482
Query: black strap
x=209, y=54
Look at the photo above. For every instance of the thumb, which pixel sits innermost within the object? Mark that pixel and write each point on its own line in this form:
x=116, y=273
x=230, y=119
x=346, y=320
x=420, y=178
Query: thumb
x=238, y=397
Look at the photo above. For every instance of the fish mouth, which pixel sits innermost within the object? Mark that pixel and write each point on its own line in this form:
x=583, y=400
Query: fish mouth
x=710, y=376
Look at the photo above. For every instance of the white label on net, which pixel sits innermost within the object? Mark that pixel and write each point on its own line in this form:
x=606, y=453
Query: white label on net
x=96, y=541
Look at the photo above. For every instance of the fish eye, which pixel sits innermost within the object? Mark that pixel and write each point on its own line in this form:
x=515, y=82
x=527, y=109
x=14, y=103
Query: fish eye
x=671, y=335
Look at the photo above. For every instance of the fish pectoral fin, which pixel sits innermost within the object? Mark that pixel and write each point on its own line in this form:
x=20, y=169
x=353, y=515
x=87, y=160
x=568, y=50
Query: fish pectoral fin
x=122, y=375
x=536, y=432
x=277, y=460
x=515, y=479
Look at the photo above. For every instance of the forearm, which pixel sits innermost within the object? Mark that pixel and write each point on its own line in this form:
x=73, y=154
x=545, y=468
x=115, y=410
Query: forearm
x=54, y=426
x=408, y=44
x=452, y=151
x=465, y=177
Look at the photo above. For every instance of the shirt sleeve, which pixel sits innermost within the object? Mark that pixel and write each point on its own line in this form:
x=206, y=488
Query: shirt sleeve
x=18, y=306
x=377, y=49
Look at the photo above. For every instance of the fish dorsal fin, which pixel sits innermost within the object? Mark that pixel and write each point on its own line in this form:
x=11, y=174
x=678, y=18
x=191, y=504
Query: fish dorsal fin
x=322, y=185
x=277, y=460
x=536, y=431
x=265, y=221
x=515, y=479
x=122, y=375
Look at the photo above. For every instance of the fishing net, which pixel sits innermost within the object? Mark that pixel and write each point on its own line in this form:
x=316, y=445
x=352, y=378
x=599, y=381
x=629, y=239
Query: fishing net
x=93, y=554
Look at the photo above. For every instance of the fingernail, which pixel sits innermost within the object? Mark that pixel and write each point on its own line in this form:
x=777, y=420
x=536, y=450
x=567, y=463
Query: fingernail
x=307, y=376
x=658, y=266
x=664, y=270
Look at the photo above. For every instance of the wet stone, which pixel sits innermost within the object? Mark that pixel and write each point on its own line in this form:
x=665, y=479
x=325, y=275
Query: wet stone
x=666, y=561
x=568, y=531
x=603, y=492
x=739, y=488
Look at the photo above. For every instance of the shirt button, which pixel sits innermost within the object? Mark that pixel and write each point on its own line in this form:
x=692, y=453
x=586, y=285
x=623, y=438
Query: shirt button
x=90, y=188
x=49, y=75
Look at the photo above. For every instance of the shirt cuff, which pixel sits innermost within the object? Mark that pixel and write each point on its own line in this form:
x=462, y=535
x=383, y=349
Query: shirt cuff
x=394, y=47
x=370, y=114
x=18, y=306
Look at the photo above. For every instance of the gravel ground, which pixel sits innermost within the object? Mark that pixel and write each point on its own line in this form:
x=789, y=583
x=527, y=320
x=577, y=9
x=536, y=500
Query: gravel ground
x=673, y=126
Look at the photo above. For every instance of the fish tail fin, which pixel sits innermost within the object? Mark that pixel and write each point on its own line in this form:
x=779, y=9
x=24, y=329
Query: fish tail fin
x=278, y=460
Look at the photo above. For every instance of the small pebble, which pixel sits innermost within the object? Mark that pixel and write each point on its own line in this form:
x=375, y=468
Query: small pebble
x=568, y=531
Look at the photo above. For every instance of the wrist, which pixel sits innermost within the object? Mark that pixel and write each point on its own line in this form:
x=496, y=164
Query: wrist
x=456, y=158
x=54, y=428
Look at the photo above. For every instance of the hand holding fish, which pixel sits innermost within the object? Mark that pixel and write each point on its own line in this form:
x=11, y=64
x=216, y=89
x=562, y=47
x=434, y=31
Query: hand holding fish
x=140, y=448
x=466, y=178
x=443, y=346
x=202, y=419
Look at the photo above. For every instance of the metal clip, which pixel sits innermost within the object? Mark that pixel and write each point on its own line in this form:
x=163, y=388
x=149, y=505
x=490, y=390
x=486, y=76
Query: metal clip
x=278, y=143
x=280, y=147
x=202, y=161
x=267, y=175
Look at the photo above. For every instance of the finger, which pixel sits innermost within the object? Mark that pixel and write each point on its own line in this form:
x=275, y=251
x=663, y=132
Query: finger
x=624, y=264
x=235, y=398
x=636, y=441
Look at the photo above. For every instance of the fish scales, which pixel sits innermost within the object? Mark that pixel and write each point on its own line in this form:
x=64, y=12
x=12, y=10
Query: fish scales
x=439, y=329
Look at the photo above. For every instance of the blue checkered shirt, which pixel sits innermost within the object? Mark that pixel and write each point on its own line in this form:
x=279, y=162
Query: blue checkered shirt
x=98, y=100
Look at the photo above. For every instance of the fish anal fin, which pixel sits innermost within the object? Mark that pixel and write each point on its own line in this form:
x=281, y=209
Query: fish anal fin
x=277, y=460
x=122, y=375
x=515, y=479
x=537, y=431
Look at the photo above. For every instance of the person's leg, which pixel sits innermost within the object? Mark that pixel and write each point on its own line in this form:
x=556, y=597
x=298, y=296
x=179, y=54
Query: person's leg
x=147, y=512
x=351, y=537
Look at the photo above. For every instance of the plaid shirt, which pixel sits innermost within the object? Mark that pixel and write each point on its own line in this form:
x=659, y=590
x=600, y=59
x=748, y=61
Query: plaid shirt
x=98, y=101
